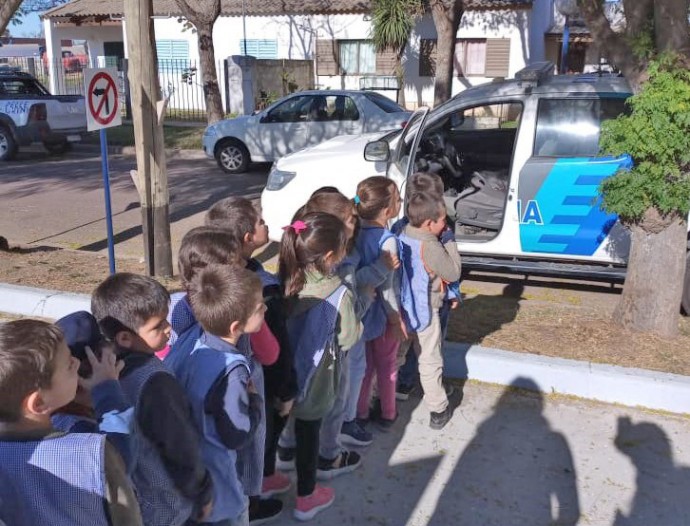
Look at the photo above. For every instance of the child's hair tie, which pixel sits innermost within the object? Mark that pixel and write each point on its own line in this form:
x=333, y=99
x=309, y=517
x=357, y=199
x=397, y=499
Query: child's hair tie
x=356, y=199
x=298, y=226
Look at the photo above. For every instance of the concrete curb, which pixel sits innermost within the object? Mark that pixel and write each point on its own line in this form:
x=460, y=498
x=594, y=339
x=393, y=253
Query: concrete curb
x=606, y=383
x=30, y=301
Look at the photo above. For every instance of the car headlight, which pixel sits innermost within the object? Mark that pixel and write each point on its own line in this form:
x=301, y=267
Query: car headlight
x=277, y=179
x=210, y=131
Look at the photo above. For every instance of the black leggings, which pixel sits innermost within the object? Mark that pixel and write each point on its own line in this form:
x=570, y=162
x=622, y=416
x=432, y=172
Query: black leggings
x=274, y=427
x=306, y=454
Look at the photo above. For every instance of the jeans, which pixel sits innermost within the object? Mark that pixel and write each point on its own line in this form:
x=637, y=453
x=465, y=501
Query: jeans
x=358, y=366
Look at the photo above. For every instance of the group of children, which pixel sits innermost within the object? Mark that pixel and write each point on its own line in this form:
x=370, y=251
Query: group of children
x=187, y=410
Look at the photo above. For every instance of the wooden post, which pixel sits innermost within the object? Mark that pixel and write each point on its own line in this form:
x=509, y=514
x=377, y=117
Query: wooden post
x=148, y=136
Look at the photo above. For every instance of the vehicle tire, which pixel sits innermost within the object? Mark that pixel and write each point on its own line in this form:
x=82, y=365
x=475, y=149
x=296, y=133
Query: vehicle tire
x=685, y=300
x=8, y=146
x=232, y=156
x=57, y=147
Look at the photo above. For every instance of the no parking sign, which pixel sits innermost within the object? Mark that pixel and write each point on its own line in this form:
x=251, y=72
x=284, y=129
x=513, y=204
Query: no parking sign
x=102, y=100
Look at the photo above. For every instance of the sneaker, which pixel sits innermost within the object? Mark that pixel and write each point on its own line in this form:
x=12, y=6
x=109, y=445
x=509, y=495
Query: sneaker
x=346, y=462
x=286, y=458
x=307, y=507
x=275, y=485
x=403, y=391
x=352, y=434
x=439, y=420
x=262, y=511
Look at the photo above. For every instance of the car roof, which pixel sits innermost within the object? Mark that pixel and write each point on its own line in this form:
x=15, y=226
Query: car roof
x=326, y=92
x=555, y=84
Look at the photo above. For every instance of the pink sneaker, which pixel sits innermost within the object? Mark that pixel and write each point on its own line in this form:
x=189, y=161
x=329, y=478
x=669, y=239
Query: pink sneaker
x=275, y=485
x=307, y=507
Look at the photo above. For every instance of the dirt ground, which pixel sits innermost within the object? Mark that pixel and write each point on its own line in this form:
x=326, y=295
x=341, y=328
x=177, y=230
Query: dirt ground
x=547, y=317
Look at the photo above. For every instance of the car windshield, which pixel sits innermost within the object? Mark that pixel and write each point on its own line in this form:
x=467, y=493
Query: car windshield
x=384, y=103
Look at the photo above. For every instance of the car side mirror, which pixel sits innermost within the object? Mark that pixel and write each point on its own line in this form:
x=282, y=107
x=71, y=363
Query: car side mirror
x=377, y=151
x=264, y=118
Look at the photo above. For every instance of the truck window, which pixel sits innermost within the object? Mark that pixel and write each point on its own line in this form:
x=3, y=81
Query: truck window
x=571, y=127
x=19, y=87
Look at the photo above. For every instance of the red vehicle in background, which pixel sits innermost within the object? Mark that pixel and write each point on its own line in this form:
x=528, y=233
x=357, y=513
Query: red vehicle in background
x=71, y=63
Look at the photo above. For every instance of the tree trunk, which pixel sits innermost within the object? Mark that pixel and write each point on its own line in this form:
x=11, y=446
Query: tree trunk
x=7, y=10
x=671, y=25
x=209, y=75
x=616, y=45
x=651, y=296
x=447, y=15
x=400, y=74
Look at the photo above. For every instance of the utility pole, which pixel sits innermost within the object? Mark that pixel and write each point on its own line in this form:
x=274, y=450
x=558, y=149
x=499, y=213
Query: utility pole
x=151, y=178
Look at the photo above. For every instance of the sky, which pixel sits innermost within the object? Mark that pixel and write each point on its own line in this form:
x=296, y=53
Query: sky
x=30, y=25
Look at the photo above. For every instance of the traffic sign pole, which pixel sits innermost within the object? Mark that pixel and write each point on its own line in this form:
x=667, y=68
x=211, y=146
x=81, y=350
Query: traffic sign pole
x=102, y=112
x=108, y=209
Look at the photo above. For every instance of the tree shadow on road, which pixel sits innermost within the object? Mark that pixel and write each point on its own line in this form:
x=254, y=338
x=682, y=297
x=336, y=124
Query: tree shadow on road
x=513, y=470
x=662, y=487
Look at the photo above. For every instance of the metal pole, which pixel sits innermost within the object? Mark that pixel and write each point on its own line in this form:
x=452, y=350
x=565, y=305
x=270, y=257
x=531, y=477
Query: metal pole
x=564, y=47
x=108, y=210
x=244, y=27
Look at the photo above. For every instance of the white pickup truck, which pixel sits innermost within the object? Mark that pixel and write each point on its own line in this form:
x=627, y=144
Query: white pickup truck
x=29, y=114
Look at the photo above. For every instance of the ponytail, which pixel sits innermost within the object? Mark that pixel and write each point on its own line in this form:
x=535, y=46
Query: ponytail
x=304, y=245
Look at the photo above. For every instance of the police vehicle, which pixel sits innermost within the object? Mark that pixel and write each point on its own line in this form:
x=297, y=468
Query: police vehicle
x=30, y=114
x=521, y=171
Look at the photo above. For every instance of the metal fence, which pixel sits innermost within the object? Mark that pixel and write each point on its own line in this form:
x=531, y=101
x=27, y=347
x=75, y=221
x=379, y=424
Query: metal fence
x=179, y=79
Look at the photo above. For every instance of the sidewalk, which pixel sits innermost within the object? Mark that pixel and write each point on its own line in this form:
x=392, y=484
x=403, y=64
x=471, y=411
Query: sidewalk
x=605, y=383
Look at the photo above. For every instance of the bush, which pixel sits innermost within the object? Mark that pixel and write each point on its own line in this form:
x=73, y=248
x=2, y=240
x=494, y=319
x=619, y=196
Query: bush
x=657, y=136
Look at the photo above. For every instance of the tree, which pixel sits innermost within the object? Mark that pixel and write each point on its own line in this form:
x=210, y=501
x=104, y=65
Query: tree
x=391, y=26
x=447, y=15
x=202, y=14
x=653, y=198
x=8, y=8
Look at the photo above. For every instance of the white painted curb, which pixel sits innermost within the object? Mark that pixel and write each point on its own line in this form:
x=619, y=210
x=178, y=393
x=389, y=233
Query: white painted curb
x=30, y=301
x=607, y=383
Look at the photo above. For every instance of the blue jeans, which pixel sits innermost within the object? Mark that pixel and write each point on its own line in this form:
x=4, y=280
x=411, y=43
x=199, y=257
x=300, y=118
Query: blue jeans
x=358, y=366
x=407, y=375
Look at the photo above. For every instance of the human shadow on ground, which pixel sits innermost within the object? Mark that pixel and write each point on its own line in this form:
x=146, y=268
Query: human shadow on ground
x=513, y=470
x=661, y=496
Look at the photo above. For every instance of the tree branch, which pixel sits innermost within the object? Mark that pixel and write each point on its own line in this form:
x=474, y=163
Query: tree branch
x=618, y=50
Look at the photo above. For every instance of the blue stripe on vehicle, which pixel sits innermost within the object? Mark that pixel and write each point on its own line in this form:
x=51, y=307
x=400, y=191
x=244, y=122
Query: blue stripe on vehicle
x=570, y=206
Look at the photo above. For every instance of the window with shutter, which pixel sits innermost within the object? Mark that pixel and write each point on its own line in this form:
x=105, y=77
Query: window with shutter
x=497, y=57
x=264, y=49
x=357, y=57
x=385, y=62
x=470, y=57
x=326, y=58
x=172, y=52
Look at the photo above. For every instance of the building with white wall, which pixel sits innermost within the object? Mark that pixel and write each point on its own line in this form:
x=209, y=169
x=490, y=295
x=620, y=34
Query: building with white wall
x=496, y=38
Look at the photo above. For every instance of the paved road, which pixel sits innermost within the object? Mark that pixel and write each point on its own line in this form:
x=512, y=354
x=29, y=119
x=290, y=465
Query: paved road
x=520, y=459
x=60, y=201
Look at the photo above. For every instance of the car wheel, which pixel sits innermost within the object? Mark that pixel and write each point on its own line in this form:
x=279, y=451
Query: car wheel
x=8, y=146
x=57, y=148
x=232, y=156
x=685, y=300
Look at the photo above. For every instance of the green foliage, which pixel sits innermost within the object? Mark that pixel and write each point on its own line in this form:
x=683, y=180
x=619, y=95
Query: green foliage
x=657, y=136
x=392, y=22
x=643, y=44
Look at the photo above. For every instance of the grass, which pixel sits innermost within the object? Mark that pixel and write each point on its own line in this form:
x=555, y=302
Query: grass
x=184, y=138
